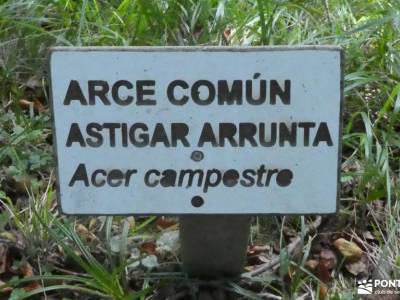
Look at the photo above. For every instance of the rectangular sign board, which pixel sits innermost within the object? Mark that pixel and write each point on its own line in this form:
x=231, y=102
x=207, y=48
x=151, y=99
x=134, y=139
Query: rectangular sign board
x=197, y=130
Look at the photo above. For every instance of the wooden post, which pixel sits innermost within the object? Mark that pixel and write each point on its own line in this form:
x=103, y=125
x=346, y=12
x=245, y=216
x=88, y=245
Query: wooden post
x=214, y=245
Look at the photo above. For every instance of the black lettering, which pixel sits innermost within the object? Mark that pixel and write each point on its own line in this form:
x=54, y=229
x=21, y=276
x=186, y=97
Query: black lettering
x=306, y=126
x=284, y=177
x=143, y=138
x=98, y=88
x=208, y=183
x=276, y=90
x=169, y=178
x=111, y=128
x=287, y=135
x=229, y=97
x=95, y=139
x=207, y=136
x=115, y=178
x=247, y=131
x=94, y=175
x=323, y=135
x=128, y=175
x=227, y=131
x=115, y=92
x=147, y=178
x=191, y=174
x=262, y=93
x=75, y=136
x=124, y=134
x=74, y=92
x=269, y=176
x=230, y=178
x=141, y=92
x=171, y=95
x=159, y=136
x=248, y=178
x=195, y=92
x=272, y=139
x=260, y=173
x=179, y=131
x=80, y=175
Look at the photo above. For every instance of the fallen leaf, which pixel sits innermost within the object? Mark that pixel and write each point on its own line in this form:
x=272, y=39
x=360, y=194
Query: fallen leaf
x=227, y=32
x=358, y=267
x=164, y=223
x=311, y=264
x=328, y=258
x=148, y=247
x=349, y=250
x=323, y=291
x=37, y=106
x=257, y=249
x=83, y=232
x=323, y=273
x=27, y=271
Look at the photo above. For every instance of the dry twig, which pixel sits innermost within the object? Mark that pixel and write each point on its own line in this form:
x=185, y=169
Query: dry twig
x=290, y=250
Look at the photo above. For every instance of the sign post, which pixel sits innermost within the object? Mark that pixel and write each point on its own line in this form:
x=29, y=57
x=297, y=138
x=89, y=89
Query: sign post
x=214, y=246
x=212, y=134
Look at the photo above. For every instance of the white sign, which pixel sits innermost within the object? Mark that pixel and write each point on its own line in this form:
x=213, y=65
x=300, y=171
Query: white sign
x=197, y=130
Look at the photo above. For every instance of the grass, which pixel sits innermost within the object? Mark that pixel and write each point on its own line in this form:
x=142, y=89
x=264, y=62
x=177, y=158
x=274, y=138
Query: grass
x=369, y=32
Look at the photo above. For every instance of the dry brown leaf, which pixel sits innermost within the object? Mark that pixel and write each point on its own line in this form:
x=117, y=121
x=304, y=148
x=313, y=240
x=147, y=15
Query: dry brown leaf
x=323, y=291
x=37, y=106
x=164, y=223
x=358, y=267
x=227, y=32
x=349, y=250
x=256, y=249
x=328, y=258
x=27, y=271
x=83, y=232
x=148, y=247
x=323, y=273
x=311, y=264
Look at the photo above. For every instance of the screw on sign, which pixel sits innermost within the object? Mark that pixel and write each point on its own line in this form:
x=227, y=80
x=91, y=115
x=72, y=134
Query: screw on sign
x=206, y=133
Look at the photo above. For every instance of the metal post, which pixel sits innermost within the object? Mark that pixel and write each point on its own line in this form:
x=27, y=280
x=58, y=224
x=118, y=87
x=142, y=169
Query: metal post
x=214, y=245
